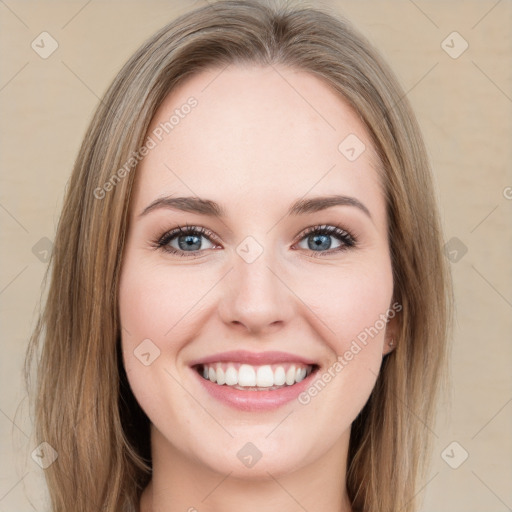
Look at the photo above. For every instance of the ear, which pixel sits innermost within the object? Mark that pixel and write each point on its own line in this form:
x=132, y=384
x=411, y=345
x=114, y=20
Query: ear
x=391, y=335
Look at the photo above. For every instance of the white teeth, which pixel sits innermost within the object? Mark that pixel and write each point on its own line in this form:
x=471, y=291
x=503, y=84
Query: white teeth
x=246, y=375
x=264, y=377
x=290, y=375
x=231, y=376
x=279, y=376
x=300, y=375
x=221, y=376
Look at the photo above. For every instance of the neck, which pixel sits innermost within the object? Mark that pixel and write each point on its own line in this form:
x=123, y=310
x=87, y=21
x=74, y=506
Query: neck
x=180, y=483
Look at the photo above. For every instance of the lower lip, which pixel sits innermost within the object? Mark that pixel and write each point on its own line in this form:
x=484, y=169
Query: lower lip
x=255, y=400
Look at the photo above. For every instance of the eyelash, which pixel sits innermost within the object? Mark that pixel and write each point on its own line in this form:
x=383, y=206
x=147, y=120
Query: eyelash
x=348, y=239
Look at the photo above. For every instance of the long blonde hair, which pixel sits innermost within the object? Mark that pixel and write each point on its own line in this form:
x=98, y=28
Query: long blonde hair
x=83, y=405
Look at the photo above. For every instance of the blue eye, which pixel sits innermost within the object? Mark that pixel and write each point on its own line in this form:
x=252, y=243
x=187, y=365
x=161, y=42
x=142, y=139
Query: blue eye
x=318, y=239
x=185, y=240
x=188, y=241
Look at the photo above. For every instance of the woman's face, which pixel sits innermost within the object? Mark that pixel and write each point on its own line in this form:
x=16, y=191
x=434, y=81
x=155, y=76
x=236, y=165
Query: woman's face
x=254, y=294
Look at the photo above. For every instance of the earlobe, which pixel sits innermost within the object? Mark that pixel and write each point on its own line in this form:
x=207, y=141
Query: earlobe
x=388, y=347
x=390, y=340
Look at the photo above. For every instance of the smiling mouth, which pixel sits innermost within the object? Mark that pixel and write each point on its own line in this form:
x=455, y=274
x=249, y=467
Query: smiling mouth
x=248, y=377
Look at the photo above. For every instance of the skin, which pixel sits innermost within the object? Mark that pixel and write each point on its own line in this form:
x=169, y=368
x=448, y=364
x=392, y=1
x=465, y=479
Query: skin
x=259, y=139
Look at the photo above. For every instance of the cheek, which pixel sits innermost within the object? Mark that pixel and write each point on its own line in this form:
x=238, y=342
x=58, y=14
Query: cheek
x=351, y=303
x=157, y=313
x=156, y=309
x=158, y=301
x=350, y=306
x=350, y=300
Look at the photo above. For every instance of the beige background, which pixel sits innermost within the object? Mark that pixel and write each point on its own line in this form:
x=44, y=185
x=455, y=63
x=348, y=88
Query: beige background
x=464, y=106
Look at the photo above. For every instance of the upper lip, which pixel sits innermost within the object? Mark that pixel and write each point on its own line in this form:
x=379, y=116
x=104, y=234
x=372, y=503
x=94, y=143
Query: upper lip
x=253, y=358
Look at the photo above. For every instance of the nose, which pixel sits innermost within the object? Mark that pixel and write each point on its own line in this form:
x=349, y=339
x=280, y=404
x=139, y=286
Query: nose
x=256, y=298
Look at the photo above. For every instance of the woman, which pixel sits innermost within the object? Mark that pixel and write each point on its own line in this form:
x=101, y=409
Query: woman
x=249, y=306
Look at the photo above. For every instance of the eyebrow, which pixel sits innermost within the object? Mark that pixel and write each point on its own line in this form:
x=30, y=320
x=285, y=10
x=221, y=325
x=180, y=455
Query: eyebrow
x=213, y=209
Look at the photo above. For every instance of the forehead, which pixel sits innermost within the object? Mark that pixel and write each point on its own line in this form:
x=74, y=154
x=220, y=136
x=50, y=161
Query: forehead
x=255, y=133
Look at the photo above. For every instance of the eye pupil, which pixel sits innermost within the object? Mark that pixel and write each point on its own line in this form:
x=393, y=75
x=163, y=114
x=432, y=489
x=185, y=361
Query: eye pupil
x=190, y=241
x=320, y=242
